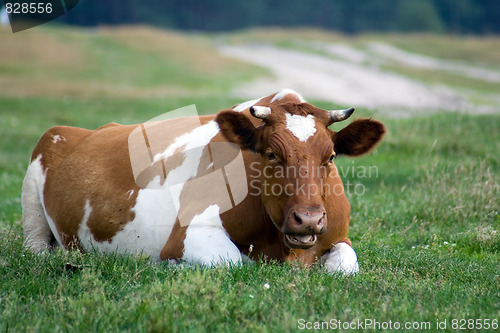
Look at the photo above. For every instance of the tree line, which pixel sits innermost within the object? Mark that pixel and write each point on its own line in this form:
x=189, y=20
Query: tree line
x=347, y=16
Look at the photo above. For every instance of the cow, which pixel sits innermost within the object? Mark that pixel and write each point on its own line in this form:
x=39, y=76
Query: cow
x=82, y=189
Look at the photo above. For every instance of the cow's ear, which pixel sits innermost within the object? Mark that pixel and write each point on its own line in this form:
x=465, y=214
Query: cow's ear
x=238, y=129
x=358, y=138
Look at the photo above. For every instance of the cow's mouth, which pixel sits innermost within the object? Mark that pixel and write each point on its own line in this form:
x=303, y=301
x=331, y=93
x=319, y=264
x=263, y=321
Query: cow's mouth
x=300, y=241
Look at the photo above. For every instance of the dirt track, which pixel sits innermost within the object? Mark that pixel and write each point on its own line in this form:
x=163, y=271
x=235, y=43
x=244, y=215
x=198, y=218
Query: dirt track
x=348, y=78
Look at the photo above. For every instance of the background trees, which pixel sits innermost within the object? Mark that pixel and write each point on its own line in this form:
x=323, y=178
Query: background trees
x=348, y=16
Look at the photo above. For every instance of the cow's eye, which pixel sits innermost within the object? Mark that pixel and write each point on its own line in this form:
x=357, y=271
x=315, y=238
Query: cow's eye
x=332, y=157
x=271, y=156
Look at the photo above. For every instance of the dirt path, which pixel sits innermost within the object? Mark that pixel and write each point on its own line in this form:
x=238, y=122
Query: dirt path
x=348, y=79
x=421, y=61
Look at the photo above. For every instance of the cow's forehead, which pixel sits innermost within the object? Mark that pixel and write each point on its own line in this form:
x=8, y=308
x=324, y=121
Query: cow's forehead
x=301, y=127
x=301, y=121
x=290, y=113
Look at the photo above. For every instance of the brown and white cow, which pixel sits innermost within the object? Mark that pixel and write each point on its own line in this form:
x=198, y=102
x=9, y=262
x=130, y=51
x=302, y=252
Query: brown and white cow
x=82, y=191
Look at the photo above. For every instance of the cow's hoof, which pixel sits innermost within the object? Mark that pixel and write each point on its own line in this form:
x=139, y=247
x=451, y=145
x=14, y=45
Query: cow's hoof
x=341, y=258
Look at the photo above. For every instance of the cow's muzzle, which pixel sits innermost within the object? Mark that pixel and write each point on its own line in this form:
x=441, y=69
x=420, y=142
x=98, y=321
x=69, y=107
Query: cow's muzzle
x=302, y=227
x=300, y=242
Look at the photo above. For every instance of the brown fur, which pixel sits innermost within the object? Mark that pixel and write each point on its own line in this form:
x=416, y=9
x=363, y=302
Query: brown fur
x=349, y=142
x=96, y=162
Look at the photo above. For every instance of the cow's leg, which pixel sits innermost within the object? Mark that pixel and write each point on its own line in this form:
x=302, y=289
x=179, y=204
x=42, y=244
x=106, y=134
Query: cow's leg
x=207, y=242
x=37, y=232
x=341, y=258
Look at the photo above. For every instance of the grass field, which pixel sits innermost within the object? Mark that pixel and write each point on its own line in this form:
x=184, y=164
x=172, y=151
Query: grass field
x=425, y=219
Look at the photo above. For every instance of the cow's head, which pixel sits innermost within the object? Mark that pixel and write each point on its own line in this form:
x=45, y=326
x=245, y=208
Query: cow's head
x=297, y=154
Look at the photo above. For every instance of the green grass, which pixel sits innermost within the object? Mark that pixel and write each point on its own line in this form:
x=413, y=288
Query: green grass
x=426, y=227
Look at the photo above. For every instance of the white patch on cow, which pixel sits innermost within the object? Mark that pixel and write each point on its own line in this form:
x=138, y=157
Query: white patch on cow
x=285, y=92
x=300, y=126
x=245, y=105
x=84, y=234
x=261, y=111
x=207, y=242
x=341, y=258
x=198, y=137
x=155, y=216
x=56, y=138
x=38, y=227
x=86, y=213
x=154, y=219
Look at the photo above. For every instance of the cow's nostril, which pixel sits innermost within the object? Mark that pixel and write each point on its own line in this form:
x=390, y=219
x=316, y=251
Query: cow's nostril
x=297, y=218
x=321, y=221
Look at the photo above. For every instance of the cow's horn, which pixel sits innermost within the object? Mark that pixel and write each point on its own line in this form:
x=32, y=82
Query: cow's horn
x=339, y=115
x=260, y=111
